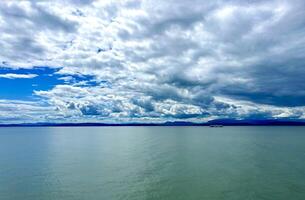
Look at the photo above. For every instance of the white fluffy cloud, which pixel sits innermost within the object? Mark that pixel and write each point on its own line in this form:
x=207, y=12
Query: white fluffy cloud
x=14, y=76
x=17, y=111
x=192, y=60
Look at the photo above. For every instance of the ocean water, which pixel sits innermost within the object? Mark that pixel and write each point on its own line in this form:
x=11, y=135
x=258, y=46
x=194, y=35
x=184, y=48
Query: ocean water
x=152, y=163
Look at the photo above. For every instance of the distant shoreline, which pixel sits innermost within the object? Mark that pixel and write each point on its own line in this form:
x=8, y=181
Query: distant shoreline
x=220, y=122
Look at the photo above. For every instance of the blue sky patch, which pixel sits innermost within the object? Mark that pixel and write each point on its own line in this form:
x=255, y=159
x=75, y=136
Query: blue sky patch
x=45, y=78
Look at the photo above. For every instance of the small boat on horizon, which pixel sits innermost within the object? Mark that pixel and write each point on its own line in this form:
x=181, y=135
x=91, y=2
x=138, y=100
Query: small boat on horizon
x=216, y=125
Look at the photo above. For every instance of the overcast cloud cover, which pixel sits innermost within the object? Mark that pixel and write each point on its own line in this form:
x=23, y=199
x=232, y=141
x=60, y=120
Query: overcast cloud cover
x=155, y=60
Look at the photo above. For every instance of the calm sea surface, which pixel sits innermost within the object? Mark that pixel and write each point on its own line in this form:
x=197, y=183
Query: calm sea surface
x=159, y=163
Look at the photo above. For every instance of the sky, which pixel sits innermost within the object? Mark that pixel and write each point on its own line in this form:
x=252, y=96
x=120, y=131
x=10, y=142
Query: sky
x=151, y=60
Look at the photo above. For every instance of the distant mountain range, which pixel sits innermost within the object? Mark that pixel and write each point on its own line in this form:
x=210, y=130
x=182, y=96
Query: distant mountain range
x=223, y=122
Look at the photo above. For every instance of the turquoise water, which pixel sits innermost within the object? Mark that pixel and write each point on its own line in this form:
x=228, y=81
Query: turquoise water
x=145, y=163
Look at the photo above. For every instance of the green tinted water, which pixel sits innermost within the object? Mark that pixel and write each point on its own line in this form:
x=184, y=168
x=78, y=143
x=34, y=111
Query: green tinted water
x=145, y=163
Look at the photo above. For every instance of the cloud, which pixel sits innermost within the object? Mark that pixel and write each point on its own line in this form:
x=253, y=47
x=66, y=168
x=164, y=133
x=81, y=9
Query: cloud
x=160, y=60
x=14, y=76
x=18, y=111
